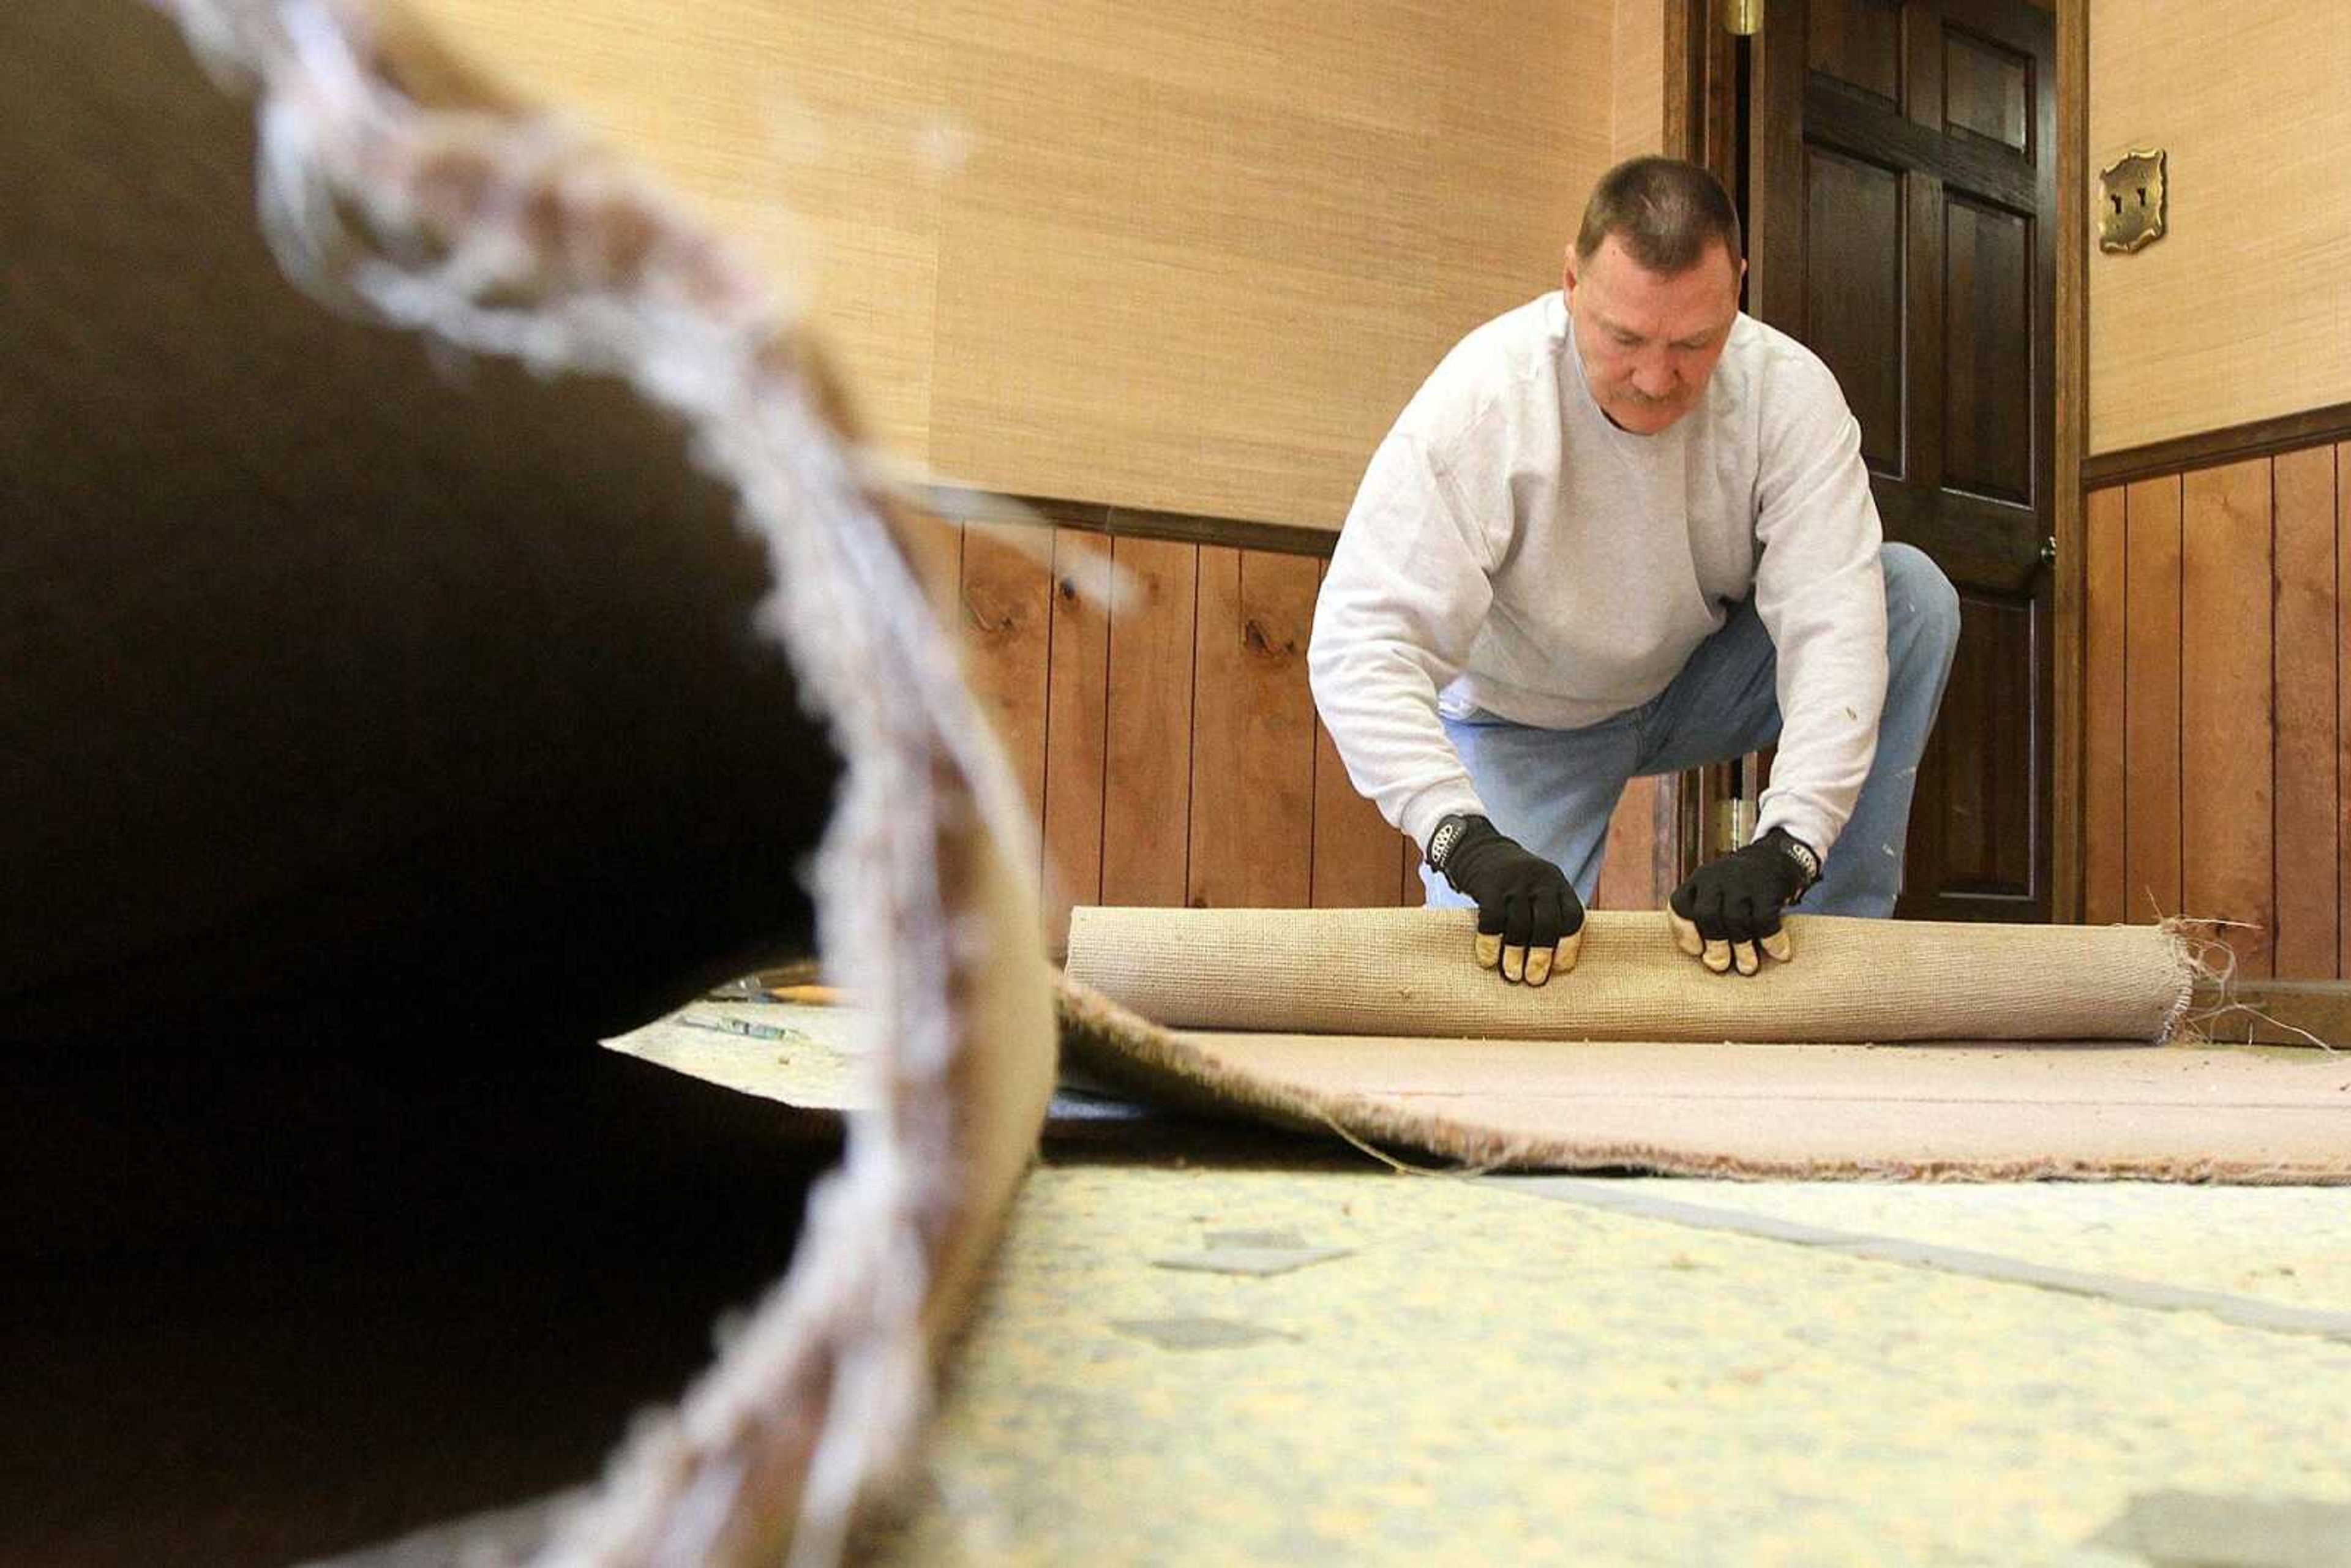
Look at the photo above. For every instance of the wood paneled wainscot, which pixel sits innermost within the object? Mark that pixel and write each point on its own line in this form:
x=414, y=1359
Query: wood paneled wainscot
x=1169, y=744
x=2218, y=743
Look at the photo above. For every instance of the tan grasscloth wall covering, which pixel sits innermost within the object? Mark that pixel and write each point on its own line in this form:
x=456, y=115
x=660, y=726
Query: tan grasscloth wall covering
x=1192, y=259
x=2243, y=311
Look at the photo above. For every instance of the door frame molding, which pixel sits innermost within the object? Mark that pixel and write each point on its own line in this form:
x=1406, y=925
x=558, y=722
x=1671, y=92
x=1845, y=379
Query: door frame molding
x=2068, y=721
x=1702, y=125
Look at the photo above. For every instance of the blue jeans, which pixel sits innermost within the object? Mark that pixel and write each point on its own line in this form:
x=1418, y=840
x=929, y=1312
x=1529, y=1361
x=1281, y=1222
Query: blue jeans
x=1554, y=789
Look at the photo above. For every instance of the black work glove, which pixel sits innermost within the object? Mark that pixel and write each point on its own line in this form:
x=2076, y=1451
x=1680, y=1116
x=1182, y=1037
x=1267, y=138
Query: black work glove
x=1529, y=922
x=1731, y=907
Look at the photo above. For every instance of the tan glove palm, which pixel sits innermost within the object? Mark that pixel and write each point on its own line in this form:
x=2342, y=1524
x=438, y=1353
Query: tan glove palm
x=1530, y=921
x=1728, y=915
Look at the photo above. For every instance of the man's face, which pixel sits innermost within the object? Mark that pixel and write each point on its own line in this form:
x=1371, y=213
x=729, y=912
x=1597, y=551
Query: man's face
x=1649, y=341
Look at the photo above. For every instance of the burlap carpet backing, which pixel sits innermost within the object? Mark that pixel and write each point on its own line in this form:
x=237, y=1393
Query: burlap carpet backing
x=1410, y=972
x=1945, y=1110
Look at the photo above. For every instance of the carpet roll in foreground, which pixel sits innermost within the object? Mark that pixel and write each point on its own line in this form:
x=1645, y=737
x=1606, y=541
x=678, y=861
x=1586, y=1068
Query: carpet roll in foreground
x=449, y=583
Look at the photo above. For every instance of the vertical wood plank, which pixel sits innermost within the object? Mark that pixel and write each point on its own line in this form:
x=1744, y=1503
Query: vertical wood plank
x=2151, y=742
x=1629, y=866
x=2343, y=700
x=1411, y=893
x=2307, y=848
x=1252, y=733
x=1665, y=847
x=1077, y=714
x=2228, y=781
x=2104, y=632
x=1682, y=135
x=1147, y=736
x=1007, y=624
x=1355, y=849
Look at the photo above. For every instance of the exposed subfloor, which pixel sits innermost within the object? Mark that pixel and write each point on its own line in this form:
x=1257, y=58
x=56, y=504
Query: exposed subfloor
x=1519, y=1371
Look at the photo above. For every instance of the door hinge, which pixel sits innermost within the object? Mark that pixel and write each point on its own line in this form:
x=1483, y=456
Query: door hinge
x=2049, y=550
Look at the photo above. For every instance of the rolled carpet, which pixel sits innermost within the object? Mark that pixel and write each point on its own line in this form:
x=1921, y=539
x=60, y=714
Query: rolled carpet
x=1409, y=972
x=440, y=612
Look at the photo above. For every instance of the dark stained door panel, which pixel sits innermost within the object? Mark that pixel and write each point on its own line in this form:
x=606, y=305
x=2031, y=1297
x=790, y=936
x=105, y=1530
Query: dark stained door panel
x=1902, y=191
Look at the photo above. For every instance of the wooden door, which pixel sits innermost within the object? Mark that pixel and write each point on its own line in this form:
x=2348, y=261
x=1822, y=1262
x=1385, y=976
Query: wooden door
x=1902, y=200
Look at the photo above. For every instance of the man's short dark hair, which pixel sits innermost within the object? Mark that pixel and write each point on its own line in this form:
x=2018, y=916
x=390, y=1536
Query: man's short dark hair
x=1666, y=214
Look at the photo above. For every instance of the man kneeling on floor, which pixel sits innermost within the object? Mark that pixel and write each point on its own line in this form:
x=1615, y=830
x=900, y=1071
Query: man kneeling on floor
x=1624, y=530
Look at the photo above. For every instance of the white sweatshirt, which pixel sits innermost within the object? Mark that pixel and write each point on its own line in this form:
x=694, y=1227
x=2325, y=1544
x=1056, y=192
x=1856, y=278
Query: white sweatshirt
x=1511, y=551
